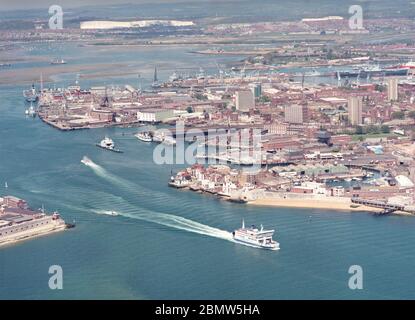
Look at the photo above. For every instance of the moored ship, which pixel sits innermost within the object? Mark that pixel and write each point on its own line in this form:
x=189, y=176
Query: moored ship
x=168, y=140
x=373, y=71
x=144, y=136
x=254, y=237
x=19, y=222
x=31, y=95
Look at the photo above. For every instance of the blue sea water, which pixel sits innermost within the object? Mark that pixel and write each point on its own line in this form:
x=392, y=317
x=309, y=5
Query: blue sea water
x=168, y=243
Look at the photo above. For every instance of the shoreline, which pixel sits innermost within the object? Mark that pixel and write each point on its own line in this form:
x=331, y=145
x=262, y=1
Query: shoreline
x=335, y=204
x=318, y=204
x=31, y=235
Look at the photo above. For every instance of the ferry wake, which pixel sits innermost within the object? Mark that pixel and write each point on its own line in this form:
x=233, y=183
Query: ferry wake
x=245, y=236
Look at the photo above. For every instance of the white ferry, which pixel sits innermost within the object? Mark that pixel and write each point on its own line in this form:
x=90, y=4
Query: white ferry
x=108, y=144
x=254, y=237
x=144, y=136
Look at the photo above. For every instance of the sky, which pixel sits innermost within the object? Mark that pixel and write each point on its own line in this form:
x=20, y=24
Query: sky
x=6, y=5
x=38, y=4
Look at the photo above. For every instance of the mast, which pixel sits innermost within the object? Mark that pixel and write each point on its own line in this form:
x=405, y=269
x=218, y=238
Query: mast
x=155, y=75
x=41, y=82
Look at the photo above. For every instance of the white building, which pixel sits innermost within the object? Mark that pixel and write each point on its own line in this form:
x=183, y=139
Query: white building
x=154, y=115
x=318, y=188
x=338, y=191
x=295, y=113
x=392, y=89
x=244, y=100
x=355, y=106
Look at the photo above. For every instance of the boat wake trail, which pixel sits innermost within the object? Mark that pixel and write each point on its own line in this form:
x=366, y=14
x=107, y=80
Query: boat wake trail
x=148, y=198
x=164, y=219
x=181, y=223
x=107, y=212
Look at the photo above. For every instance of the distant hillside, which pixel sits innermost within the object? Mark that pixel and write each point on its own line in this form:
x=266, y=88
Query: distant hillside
x=218, y=11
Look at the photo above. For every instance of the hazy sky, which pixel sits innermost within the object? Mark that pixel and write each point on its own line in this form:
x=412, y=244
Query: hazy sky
x=27, y=4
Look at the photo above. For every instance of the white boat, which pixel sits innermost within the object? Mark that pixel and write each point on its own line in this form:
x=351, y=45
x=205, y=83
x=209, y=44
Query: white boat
x=58, y=61
x=108, y=144
x=31, y=111
x=86, y=161
x=254, y=237
x=169, y=140
x=158, y=137
x=144, y=136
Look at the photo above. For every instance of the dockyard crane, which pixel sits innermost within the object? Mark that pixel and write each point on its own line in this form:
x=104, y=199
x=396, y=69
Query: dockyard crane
x=243, y=74
x=139, y=83
x=220, y=72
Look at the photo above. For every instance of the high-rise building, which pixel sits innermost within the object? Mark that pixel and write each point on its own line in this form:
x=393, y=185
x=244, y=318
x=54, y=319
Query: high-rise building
x=245, y=100
x=392, y=89
x=256, y=89
x=295, y=113
x=355, y=106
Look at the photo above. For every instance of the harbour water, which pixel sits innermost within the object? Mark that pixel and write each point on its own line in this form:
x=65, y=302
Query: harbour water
x=166, y=243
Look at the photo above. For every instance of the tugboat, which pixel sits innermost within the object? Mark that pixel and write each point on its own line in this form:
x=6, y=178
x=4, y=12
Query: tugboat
x=254, y=237
x=108, y=144
x=144, y=136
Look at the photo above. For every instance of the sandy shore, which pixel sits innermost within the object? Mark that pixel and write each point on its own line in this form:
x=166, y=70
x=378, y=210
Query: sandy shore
x=315, y=204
